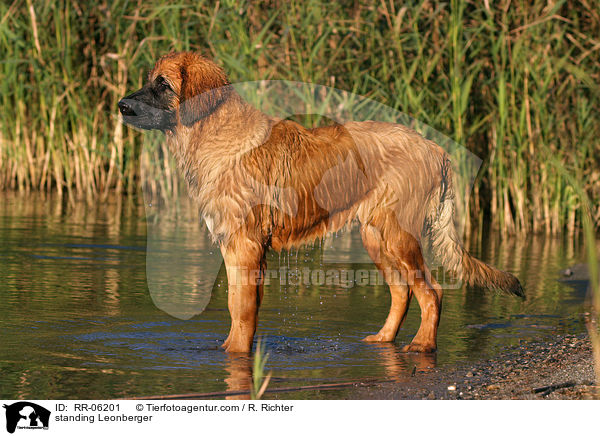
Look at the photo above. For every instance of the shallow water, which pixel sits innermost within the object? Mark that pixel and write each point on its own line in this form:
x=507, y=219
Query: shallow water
x=78, y=320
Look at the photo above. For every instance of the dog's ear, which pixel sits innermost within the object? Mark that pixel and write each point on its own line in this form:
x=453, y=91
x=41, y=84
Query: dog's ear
x=204, y=87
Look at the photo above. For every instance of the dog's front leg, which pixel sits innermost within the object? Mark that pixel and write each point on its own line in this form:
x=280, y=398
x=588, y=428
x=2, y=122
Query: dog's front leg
x=244, y=261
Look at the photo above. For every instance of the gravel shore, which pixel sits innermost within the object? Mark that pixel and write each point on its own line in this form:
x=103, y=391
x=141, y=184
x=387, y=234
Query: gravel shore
x=561, y=369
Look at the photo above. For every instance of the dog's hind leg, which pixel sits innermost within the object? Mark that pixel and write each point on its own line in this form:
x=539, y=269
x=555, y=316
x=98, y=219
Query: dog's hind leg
x=400, y=252
x=401, y=294
x=245, y=264
x=429, y=295
x=427, y=292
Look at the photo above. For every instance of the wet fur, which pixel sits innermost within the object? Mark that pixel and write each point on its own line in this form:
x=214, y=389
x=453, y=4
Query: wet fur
x=264, y=183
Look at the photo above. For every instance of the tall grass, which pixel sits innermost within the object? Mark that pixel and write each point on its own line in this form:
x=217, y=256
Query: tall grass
x=260, y=380
x=589, y=238
x=516, y=82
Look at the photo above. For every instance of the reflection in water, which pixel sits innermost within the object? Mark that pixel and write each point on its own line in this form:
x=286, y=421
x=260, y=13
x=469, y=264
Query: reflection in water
x=398, y=366
x=239, y=378
x=78, y=320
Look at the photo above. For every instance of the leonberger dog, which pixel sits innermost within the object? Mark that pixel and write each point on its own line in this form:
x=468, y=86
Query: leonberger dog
x=262, y=183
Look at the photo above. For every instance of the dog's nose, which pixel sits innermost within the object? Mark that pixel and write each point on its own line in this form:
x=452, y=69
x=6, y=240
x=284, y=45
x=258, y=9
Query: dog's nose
x=126, y=108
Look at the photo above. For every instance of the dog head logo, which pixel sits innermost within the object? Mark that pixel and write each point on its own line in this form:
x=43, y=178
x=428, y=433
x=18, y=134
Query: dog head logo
x=26, y=415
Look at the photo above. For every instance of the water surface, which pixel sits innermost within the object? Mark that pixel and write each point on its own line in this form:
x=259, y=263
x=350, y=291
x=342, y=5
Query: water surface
x=78, y=321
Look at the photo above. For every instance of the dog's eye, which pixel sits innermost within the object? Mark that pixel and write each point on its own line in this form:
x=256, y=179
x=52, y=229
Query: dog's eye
x=162, y=84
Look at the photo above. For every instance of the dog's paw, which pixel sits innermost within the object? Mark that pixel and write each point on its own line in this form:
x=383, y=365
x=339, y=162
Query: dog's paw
x=377, y=338
x=238, y=348
x=237, y=344
x=226, y=342
x=418, y=348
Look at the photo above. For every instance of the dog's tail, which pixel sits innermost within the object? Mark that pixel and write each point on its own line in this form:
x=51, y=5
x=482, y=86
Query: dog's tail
x=445, y=245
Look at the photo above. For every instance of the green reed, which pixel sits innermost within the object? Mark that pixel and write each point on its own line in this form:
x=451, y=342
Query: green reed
x=515, y=82
x=260, y=380
x=589, y=238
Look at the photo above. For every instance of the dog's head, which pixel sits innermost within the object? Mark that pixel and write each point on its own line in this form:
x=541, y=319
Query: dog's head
x=182, y=88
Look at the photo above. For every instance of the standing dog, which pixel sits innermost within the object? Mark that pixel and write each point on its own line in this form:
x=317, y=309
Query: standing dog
x=262, y=182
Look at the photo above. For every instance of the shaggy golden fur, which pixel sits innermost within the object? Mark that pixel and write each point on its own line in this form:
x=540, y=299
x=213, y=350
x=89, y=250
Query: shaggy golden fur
x=265, y=183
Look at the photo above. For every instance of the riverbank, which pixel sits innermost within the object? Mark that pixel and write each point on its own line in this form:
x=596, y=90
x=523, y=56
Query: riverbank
x=561, y=369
